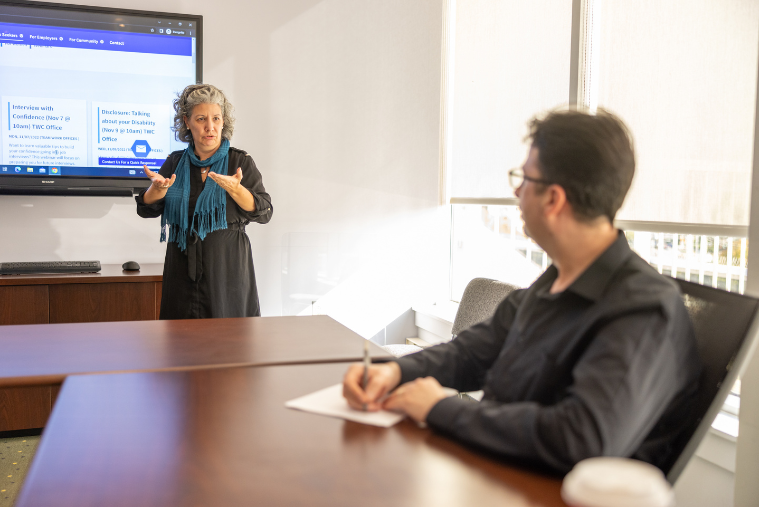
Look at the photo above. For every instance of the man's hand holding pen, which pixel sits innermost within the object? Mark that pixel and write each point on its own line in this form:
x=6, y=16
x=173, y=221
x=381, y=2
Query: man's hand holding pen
x=415, y=398
x=381, y=379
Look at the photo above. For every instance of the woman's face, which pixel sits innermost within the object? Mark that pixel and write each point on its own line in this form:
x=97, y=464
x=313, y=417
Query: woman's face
x=205, y=124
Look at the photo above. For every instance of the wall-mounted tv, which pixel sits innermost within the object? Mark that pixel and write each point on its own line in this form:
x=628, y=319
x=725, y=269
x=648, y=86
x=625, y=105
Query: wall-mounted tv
x=86, y=93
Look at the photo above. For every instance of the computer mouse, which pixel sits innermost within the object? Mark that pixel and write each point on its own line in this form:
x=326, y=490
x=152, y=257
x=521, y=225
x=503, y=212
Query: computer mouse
x=130, y=266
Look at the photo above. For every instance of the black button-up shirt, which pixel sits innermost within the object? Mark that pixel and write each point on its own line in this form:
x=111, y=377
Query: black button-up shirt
x=608, y=367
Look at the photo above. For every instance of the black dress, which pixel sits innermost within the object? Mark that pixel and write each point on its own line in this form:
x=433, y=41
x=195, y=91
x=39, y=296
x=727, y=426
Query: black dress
x=213, y=277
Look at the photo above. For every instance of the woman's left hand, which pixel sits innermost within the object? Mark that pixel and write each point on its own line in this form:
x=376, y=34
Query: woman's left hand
x=240, y=194
x=229, y=183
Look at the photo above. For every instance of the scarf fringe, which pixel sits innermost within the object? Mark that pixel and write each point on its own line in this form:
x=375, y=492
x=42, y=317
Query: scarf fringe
x=176, y=235
x=209, y=222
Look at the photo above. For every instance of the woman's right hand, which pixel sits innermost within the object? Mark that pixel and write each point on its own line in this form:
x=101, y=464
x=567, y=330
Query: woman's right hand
x=158, y=186
x=159, y=182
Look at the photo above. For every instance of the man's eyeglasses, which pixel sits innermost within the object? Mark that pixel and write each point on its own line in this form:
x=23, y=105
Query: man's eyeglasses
x=517, y=178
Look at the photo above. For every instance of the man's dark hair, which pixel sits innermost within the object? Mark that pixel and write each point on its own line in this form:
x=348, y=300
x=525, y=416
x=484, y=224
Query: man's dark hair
x=591, y=156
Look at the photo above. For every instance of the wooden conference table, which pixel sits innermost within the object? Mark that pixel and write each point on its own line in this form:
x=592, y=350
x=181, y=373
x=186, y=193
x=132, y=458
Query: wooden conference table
x=47, y=354
x=223, y=437
x=200, y=420
x=35, y=359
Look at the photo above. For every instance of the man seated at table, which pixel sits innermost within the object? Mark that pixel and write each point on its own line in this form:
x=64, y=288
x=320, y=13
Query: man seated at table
x=596, y=358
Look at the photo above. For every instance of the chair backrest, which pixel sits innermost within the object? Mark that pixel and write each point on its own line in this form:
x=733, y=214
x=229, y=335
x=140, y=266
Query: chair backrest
x=479, y=301
x=725, y=325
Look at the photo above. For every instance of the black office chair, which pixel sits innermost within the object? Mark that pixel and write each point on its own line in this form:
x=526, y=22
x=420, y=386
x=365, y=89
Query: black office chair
x=726, y=325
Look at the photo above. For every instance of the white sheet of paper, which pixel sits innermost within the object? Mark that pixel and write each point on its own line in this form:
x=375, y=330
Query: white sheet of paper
x=330, y=402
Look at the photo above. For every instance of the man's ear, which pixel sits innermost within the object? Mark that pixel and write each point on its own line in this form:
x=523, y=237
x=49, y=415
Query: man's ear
x=555, y=201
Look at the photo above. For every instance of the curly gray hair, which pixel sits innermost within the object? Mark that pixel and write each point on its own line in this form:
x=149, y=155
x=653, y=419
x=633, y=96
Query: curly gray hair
x=201, y=94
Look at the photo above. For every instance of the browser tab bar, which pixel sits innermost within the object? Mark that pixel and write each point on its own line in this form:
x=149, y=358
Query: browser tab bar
x=95, y=39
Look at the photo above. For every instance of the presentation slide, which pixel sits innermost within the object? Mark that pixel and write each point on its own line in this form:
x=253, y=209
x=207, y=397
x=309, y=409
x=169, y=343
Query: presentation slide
x=131, y=135
x=84, y=102
x=44, y=131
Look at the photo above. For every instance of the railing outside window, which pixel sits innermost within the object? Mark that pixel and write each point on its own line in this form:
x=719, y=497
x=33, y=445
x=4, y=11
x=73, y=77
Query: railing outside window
x=487, y=236
x=716, y=261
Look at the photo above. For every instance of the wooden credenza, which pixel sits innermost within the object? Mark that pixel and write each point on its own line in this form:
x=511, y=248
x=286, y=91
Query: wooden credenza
x=108, y=296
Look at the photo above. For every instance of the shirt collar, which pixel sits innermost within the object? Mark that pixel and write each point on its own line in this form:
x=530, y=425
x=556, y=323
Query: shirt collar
x=592, y=283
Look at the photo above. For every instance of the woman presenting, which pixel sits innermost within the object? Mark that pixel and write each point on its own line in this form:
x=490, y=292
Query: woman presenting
x=205, y=196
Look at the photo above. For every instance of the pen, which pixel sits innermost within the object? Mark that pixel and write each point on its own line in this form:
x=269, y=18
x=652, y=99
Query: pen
x=367, y=363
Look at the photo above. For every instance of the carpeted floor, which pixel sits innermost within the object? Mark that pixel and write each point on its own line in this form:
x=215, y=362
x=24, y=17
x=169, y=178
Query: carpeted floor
x=15, y=456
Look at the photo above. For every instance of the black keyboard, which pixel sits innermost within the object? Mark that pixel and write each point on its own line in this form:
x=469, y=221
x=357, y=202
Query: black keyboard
x=26, y=268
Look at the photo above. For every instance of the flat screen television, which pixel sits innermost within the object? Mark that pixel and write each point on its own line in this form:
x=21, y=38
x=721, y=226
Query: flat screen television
x=86, y=95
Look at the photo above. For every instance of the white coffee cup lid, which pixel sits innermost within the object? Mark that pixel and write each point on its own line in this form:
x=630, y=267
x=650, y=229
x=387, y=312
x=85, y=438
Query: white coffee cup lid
x=616, y=482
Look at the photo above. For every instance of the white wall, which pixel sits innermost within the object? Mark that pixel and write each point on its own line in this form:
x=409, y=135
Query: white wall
x=704, y=484
x=338, y=101
x=747, y=460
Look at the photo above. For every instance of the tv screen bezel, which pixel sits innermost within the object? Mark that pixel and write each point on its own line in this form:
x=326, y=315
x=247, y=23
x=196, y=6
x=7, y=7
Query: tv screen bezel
x=93, y=185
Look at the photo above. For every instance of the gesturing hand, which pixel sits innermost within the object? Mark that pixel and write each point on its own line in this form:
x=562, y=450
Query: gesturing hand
x=158, y=181
x=229, y=183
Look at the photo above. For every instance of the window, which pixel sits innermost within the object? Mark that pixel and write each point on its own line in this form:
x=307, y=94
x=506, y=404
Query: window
x=681, y=73
x=510, y=60
x=488, y=241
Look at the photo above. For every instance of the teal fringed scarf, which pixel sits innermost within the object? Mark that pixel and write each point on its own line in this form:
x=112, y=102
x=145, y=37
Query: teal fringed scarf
x=211, y=207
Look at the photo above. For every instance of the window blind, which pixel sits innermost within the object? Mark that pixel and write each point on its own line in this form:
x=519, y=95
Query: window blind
x=511, y=60
x=682, y=75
